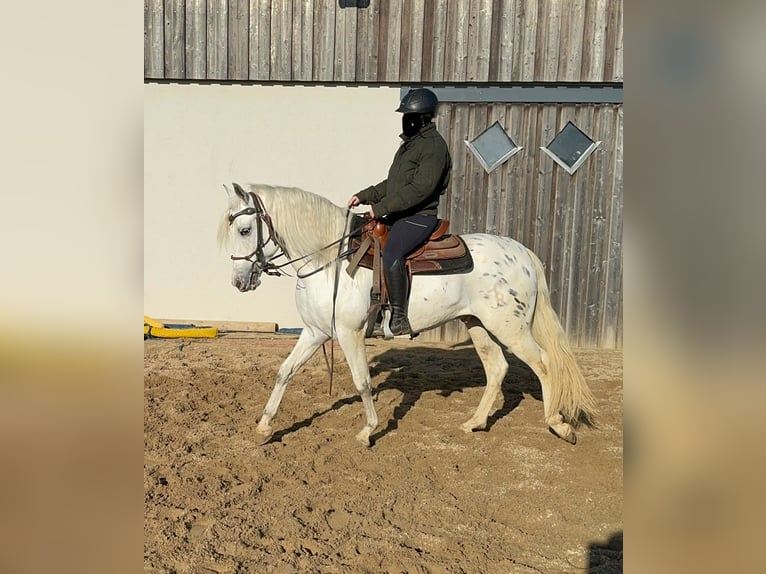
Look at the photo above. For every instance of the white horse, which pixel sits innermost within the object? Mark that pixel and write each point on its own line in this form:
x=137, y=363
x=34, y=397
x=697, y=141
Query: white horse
x=504, y=302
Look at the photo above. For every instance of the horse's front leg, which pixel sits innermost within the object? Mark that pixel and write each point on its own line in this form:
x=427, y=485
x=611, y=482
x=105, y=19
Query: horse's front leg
x=307, y=344
x=352, y=343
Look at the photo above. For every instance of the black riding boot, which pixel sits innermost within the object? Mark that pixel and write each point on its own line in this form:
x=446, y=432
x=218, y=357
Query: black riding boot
x=398, y=291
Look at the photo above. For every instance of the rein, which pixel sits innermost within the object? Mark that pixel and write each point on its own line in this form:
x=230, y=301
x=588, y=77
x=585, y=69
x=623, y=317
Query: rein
x=333, y=332
x=267, y=266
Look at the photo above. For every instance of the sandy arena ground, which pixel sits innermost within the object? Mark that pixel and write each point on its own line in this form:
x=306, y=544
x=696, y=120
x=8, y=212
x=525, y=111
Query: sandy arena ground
x=426, y=498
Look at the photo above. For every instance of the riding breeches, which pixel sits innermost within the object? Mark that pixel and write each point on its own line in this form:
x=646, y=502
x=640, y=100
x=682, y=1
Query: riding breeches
x=406, y=235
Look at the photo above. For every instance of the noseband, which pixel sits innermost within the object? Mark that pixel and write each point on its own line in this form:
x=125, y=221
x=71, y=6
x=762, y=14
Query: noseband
x=260, y=262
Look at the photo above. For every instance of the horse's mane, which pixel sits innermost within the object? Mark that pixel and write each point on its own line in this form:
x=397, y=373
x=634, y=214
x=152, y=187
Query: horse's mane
x=304, y=222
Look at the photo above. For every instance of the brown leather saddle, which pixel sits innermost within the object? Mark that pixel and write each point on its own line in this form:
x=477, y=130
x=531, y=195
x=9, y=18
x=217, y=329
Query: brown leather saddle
x=442, y=254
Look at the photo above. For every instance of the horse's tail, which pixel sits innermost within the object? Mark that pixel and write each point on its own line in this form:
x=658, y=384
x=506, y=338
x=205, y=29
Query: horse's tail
x=570, y=394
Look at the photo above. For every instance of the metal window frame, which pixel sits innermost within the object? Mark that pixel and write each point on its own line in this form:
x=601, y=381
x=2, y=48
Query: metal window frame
x=575, y=166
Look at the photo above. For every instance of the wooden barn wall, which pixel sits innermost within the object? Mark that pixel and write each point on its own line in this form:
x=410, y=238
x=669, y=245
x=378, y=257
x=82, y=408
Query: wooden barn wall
x=572, y=222
x=388, y=41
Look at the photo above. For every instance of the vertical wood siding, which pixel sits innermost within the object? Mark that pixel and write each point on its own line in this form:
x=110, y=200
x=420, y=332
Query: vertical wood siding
x=572, y=222
x=324, y=42
x=154, y=39
x=195, y=41
x=389, y=41
x=175, y=32
x=239, y=39
x=217, y=39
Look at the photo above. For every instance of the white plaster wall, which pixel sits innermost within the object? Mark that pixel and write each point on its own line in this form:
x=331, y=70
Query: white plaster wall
x=332, y=141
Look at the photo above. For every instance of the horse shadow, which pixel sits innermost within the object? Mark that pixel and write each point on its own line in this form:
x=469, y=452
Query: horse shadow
x=606, y=558
x=418, y=370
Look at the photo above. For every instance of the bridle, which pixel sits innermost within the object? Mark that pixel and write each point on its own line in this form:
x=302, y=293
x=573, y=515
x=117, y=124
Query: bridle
x=260, y=263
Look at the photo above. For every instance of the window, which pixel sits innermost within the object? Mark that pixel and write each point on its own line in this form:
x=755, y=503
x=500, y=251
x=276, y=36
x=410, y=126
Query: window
x=492, y=147
x=570, y=148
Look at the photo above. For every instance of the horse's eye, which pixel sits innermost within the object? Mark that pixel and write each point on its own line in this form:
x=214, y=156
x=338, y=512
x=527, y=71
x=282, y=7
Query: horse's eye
x=245, y=231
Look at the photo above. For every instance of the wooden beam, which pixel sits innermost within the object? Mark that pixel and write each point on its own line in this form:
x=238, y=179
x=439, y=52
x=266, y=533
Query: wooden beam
x=230, y=326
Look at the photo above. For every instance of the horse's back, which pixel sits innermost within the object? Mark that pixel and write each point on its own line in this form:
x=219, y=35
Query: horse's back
x=504, y=273
x=499, y=250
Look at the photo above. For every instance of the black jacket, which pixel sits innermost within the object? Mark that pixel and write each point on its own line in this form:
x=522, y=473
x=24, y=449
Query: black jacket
x=418, y=175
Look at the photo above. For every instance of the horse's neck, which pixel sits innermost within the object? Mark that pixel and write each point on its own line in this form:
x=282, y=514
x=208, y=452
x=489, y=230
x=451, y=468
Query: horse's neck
x=305, y=230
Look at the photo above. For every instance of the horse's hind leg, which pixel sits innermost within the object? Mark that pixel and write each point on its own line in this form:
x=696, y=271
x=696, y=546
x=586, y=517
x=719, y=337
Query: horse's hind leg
x=495, y=367
x=307, y=344
x=526, y=348
x=352, y=343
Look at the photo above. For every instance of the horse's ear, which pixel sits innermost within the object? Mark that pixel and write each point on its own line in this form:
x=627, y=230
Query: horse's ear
x=240, y=192
x=229, y=193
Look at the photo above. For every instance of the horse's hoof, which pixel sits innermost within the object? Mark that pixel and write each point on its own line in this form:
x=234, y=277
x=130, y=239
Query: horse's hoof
x=470, y=426
x=265, y=437
x=363, y=440
x=570, y=437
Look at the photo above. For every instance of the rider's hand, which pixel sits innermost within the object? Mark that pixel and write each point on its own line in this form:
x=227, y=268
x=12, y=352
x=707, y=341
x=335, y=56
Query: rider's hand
x=354, y=201
x=372, y=213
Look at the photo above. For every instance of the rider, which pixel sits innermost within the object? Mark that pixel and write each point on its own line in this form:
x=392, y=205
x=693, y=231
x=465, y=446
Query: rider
x=408, y=198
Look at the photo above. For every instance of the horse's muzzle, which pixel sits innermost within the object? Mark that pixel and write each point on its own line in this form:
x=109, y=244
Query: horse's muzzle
x=248, y=284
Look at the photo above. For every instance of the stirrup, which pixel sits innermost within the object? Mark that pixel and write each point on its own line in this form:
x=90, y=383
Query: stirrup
x=373, y=322
x=404, y=327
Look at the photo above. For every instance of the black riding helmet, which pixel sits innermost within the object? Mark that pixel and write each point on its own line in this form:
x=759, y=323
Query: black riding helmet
x=418, y=101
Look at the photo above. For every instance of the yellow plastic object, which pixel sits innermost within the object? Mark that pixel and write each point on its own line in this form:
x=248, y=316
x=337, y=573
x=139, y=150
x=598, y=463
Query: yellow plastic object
x=155, y=328
x=152, y=322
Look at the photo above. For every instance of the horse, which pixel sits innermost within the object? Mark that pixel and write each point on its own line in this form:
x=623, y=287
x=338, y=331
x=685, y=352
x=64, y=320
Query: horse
x=504, y=302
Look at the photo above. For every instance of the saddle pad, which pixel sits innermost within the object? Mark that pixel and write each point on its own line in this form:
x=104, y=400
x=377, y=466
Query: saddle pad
x=444, y=256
